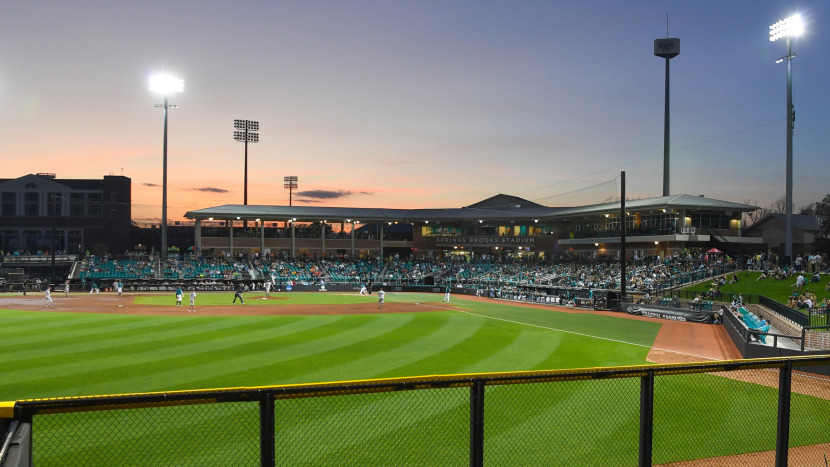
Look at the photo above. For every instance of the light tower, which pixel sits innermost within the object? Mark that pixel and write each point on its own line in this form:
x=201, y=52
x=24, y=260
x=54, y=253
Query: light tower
x=790, y=27
x=290, y=185
x=165, y=85
x=668, y=49
x=247, y=135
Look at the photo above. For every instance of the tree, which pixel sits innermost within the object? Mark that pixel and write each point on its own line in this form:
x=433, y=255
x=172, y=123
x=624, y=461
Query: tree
x=822, y=210
x=777, y=206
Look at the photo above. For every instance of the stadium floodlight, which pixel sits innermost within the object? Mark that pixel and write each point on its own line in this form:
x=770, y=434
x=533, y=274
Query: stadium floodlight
x=165, y=85
x=290, y=185
x=788, y=28
x=247, y=135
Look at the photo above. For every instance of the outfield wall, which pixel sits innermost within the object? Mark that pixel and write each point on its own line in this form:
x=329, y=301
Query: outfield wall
x=760, y=412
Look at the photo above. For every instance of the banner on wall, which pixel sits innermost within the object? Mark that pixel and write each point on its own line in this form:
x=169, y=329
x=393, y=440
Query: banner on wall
x=674, y=314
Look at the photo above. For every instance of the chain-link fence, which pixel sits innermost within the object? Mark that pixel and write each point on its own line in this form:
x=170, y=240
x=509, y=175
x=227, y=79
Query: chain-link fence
x=747, y=412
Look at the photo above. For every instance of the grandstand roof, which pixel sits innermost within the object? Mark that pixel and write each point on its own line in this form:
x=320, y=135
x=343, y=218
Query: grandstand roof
x=495, y=208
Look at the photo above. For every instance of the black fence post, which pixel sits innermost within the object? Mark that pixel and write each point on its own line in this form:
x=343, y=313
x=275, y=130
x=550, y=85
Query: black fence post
x=782, y=439
x=477, y=424
x=646, y=418
x=267, y=451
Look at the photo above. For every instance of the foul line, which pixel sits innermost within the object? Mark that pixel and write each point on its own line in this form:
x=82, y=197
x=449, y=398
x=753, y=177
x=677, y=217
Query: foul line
x=571, y=332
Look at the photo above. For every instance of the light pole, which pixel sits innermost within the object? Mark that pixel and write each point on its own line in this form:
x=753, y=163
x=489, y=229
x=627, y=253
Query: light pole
x=790, y=27
x=666, y=48
x=165, y=85
x=248, y=134
x=290, y=185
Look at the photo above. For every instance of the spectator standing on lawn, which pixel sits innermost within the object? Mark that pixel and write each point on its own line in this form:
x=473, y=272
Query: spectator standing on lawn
x=800, y=282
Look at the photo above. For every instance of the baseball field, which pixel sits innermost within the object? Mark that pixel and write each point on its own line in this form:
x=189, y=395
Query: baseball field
x=110, y=344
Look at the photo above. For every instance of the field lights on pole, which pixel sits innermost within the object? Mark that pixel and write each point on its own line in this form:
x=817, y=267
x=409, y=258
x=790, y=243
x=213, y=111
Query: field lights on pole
x=248, y=134
x=787, y=28
x=290, y=185
x=165, y=85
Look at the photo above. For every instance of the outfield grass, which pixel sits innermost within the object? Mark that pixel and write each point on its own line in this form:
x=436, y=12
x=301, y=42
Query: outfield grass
x=52, y=354
x=49, y=354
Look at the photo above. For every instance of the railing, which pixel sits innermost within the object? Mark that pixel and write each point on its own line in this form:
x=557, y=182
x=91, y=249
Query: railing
x=612, y=416
x=820, y=316
x=795, y=316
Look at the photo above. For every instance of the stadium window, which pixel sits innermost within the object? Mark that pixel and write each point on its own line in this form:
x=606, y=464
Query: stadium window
x=94, y=204
x=30, y=203
x=9, y=204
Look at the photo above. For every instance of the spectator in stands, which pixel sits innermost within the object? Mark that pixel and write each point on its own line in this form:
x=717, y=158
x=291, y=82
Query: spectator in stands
x=734, y=279
x=764, y=275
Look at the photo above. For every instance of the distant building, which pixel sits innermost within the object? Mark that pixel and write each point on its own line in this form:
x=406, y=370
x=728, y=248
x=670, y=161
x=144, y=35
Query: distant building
x=84, y=214
x=772, y=228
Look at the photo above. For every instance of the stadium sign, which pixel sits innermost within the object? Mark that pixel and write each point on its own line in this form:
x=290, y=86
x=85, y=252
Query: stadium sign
x=486, y=241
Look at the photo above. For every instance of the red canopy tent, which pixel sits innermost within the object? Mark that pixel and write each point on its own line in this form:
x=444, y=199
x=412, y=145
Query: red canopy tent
x=713, y=250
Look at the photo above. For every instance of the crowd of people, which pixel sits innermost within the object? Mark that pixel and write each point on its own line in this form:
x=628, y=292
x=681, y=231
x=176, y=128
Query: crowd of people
x=484, y=273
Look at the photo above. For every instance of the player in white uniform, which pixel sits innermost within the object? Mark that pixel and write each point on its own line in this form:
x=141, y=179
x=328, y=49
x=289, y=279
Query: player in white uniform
x=381, y=295
x=362, y=289
x=48, y=295
x=192, y=301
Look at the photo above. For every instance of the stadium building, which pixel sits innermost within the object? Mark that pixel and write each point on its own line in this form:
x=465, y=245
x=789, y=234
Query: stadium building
x=500, y=226
x=40, y=212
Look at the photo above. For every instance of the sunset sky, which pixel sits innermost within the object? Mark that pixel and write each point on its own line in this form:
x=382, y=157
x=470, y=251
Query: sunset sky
x=415, y=104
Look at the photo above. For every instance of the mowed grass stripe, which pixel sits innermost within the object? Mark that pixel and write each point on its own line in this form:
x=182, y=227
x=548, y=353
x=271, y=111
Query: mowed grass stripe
x=171, y=335
x=490, y=338
x=293, y=358
x=143, y=363
x=246, y=358
x=93, y=337
x=523, y=426
x=49, y=324
x=427, y=337
x=200, y=432
x=608, y=327
x=375, y=426
x=522, y=348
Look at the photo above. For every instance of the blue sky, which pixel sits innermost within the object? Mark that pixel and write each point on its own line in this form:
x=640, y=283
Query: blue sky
x=414, y=103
